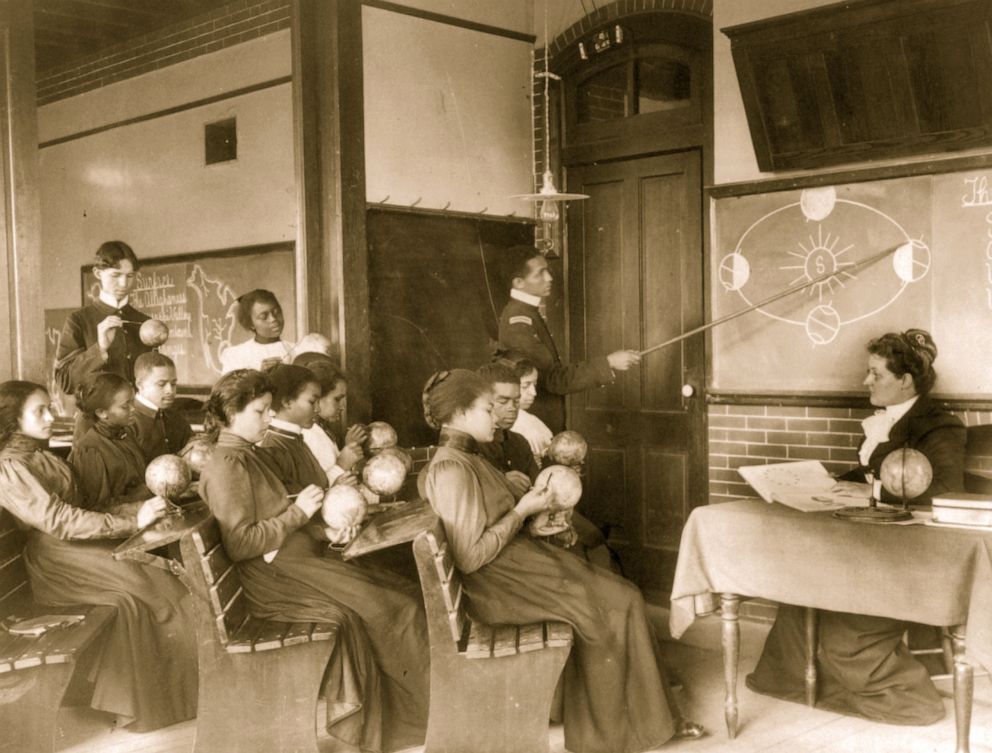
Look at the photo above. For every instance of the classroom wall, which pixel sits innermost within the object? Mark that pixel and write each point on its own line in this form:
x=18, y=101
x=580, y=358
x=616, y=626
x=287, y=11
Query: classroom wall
x=146, y=182
x=463, y=137
x=447, y=113
x=753, y=434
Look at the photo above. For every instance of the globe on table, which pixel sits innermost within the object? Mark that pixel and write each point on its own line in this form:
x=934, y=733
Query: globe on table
x=906, y=473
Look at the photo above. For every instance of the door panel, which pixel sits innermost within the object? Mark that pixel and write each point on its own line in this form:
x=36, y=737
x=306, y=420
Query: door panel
x=634, y=271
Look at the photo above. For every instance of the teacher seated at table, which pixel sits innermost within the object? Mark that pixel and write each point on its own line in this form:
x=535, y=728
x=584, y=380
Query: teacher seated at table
x=864, y=667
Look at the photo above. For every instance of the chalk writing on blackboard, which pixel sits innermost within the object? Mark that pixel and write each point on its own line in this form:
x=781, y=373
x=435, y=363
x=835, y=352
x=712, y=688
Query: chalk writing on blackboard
x=196, y=296
x=977, y=195
x=780, y=249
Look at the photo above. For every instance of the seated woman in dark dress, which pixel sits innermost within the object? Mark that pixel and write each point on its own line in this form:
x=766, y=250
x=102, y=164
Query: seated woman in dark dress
x=616, y=696
x=380, y=667
x=109, y=463
x=864, y=667
x=146, y=673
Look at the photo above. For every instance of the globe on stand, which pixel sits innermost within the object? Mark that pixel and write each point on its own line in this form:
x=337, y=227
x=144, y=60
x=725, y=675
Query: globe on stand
x=905, y=473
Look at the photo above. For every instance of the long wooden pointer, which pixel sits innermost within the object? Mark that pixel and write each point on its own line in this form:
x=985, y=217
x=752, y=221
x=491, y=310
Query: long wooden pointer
x=781, y=294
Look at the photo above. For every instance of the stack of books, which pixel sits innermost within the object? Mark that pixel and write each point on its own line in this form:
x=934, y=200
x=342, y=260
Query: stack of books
x=963, y=509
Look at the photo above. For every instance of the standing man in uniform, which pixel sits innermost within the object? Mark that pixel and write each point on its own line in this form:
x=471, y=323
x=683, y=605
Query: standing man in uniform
x=522, y=328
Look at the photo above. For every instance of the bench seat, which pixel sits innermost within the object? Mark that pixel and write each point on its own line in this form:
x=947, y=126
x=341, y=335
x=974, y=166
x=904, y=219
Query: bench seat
x=249, y=665
x=35, y=671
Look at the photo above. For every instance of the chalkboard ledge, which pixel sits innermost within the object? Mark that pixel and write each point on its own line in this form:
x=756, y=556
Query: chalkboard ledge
x=835, y=399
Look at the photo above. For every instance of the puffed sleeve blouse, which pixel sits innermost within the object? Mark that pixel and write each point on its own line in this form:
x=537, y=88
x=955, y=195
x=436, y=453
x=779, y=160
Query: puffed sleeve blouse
x=473, y=501
x=39, y=490
x=110, y=468
x=250, y=503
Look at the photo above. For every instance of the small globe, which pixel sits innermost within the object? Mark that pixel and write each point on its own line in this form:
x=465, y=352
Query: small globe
x=906, y=473
x=384, y=473
x=167, y=476
x=568, y=448
x=153, y=333
x=381, y=436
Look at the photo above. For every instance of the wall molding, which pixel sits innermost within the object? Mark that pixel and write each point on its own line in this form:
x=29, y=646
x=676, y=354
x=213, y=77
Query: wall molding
x=442, y=18
x=262, y=85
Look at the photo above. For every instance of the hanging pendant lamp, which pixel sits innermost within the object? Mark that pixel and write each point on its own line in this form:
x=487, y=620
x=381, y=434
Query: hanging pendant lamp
x=549, y=196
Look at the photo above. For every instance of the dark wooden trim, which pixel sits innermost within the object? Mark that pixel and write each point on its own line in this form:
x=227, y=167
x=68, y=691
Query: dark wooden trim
x=379, y=206
x=930, y=167
x=22, y=337
x=450, y=20
x=168, y=111
x=329, y=122
x=835, y=400
x=212, y=254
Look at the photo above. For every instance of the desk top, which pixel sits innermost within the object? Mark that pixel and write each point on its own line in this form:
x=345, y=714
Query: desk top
x=399, y=525
x=937, y=576
x=163, y=531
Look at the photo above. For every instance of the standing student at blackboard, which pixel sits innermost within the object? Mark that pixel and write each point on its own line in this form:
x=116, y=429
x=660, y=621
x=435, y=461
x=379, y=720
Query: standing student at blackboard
x=522, y=328
x=102, y=336
x=260, y=314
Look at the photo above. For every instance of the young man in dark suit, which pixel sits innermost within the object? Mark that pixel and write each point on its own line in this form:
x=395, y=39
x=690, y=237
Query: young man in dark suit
x=522, y=328
x=161, y=429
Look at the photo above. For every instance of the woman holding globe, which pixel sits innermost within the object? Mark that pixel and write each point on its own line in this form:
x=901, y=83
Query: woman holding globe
x=864, y=667
x=617, y=698
x=377, y=682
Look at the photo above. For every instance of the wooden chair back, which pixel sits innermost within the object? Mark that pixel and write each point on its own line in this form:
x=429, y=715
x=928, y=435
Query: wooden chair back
x=444, y=596
x=221, y=581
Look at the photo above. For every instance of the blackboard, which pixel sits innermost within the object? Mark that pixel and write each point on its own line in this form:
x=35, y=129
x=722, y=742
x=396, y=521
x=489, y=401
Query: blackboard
x=814, y=341
x=195, y=295
x=436, y=289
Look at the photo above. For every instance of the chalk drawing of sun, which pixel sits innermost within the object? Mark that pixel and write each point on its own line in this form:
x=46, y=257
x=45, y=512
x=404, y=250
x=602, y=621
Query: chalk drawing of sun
x=818, y=259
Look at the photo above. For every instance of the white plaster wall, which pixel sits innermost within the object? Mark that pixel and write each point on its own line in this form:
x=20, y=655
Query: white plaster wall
x=147, y=183
x=447, y=115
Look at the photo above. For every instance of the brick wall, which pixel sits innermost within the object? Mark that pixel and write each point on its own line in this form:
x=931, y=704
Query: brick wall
x=222, y=27
x=760, y=434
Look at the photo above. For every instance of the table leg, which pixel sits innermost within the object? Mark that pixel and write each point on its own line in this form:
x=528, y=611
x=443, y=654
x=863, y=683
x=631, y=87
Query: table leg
x=964, y=690
x=729, y=607
x=809, y=625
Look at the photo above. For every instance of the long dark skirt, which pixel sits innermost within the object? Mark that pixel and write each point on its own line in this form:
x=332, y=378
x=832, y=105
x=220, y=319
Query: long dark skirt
x=147, y=668
x=863, y=668
x=616, y=696
x=383, y=666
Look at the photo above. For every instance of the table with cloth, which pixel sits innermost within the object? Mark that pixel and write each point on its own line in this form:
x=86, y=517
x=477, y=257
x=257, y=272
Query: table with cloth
x=926, y=574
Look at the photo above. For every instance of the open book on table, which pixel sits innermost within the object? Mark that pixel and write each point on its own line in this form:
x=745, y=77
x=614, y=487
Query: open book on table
x=803, y=485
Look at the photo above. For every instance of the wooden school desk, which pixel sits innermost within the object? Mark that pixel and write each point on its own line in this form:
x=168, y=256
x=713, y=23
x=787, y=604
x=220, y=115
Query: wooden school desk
x=164, y=534
x=917, y=573
x=399, y=524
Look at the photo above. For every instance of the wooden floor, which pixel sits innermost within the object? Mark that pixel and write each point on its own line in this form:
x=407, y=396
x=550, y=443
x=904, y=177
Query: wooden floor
x=766, y=724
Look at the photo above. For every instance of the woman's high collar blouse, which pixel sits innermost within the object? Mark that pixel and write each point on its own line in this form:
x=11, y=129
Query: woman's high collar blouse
x=473, y=501
x=39, y=490
x=245, y=495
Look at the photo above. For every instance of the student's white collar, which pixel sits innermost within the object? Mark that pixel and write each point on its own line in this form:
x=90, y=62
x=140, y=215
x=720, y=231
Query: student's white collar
x=286, y=426
x=533, y=300
x=113, y=302
x=146, y=402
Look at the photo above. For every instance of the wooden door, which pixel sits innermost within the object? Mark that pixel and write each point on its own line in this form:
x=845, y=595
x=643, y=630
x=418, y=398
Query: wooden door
x=634, y=273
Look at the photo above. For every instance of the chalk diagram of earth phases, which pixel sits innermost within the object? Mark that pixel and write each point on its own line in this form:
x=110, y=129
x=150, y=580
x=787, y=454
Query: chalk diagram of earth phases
x=821, y=238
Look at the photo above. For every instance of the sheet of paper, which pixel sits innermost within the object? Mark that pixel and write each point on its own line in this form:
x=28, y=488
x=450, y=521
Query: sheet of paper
x=803, y=485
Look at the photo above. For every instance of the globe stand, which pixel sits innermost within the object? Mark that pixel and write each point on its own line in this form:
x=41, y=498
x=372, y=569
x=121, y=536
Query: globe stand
x=873, y=513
